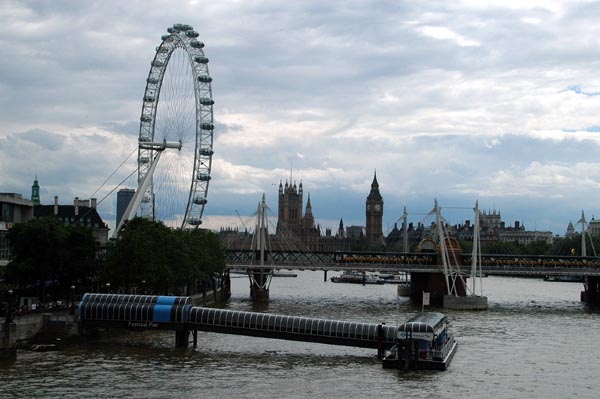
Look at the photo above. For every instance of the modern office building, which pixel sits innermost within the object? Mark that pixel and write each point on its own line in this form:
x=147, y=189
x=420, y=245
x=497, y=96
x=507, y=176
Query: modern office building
x=124, y=197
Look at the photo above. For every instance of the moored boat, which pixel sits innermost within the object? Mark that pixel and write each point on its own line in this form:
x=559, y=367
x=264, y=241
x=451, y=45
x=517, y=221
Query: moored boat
x=356, y=278
x=424, y=343
x=565, y=278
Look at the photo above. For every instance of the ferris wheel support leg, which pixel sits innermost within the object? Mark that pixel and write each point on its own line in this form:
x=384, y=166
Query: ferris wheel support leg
x=137, y=197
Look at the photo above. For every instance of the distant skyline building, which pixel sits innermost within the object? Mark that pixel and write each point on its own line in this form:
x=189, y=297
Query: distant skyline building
x=124, y=197
x=594, y=227
x=374, y=213
x=35, y=192
x=570, y=230
x=13, y=209
x=300, y=230
x=82, y=213
x=289, y=215
x=292, y=223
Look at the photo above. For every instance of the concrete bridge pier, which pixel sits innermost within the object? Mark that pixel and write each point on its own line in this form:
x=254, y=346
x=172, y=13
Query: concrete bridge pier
x=8, y=340
x=182, y=338
x=435, y=284
x=259, y=285
x=591, y=295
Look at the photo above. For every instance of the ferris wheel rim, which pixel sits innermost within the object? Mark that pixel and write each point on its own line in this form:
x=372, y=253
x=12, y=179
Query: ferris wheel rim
x=185, y=38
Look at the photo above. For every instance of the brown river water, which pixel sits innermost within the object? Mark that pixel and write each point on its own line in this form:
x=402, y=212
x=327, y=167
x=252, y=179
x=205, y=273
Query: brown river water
x=536, y=340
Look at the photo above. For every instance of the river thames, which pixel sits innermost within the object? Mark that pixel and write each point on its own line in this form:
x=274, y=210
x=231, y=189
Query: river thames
x=536, y=340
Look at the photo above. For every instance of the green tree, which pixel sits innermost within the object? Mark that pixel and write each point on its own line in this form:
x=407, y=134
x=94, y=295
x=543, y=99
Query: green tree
x=501, y=248
x=48, y=257
x=169, y=261
x=137, y=255
x=539, y=247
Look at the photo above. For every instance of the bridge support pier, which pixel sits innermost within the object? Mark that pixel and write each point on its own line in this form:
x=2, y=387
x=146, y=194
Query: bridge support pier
x=8, y=340
x=259, y=294
x=259, y=284
x=591, y=295
x=435, y=284
x=325, y=276
x=182, y=338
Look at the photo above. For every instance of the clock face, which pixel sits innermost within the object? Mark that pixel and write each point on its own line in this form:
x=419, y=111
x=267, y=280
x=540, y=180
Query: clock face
x=368, y=207
x=377, y=208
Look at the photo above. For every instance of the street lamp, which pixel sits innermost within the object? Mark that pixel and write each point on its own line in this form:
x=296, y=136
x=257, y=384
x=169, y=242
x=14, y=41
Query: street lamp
x=108, y=288
x=144, y=287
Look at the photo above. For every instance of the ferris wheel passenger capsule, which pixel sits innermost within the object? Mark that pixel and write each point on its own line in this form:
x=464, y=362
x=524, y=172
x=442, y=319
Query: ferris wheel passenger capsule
x=207, y=126
x=195, y=222
x=196, y=44
x=200, y=201
x=146, y=118
x=207, y=152
x=207, y=101
x=204, y=78
x=158, y=63
x=203, y=177
x=191, y=33
x=149, y=99
x=201, y=60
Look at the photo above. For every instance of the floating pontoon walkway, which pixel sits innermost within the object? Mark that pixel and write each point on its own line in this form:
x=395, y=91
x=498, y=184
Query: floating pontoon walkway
x=176, y=313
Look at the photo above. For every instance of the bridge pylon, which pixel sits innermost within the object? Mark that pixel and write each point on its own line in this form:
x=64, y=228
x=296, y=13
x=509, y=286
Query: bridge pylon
x=260, y=277
x=448, y=287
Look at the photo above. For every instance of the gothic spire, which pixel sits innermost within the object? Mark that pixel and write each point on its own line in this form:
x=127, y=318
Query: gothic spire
x=375, y=183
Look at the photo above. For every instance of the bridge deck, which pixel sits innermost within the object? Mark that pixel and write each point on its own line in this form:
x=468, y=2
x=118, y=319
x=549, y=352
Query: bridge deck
x=524, y=265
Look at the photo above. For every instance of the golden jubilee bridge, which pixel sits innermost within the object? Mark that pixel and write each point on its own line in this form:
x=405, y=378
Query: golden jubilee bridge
x=425, y=271
x=503, y=265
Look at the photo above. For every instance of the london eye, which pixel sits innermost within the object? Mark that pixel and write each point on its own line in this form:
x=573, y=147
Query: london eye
x=176, y=125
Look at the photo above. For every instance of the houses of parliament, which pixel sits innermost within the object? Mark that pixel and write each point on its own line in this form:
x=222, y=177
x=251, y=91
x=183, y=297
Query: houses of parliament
x=297, y=230
x=295, y=225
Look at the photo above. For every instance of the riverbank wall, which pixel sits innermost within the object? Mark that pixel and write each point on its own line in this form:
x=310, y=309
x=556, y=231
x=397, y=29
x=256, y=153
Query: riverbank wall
x=44, y=330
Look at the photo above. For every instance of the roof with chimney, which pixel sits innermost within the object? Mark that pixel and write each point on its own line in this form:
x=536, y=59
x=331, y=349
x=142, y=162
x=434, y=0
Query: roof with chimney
x=71, y=214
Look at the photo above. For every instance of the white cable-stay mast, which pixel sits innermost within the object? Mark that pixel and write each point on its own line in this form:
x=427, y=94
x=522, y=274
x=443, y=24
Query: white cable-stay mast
x=405, y=231
x=476, y=254
x=259, y=244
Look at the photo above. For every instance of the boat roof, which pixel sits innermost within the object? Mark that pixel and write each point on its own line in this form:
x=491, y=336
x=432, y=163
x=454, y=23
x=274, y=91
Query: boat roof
x=423, y=322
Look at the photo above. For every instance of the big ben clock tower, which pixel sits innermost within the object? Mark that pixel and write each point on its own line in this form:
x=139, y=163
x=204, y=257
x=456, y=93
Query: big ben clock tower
x=374, y=214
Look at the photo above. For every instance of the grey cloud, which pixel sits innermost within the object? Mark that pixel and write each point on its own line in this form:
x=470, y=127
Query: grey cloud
x=352, y=86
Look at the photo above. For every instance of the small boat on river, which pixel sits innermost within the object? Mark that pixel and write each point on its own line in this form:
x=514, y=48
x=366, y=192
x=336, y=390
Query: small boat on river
x=356, y=278
x=424, y=343
x=565, y=278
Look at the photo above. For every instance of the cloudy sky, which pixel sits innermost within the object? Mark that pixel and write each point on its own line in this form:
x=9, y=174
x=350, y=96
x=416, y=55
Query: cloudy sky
x=461, y=101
